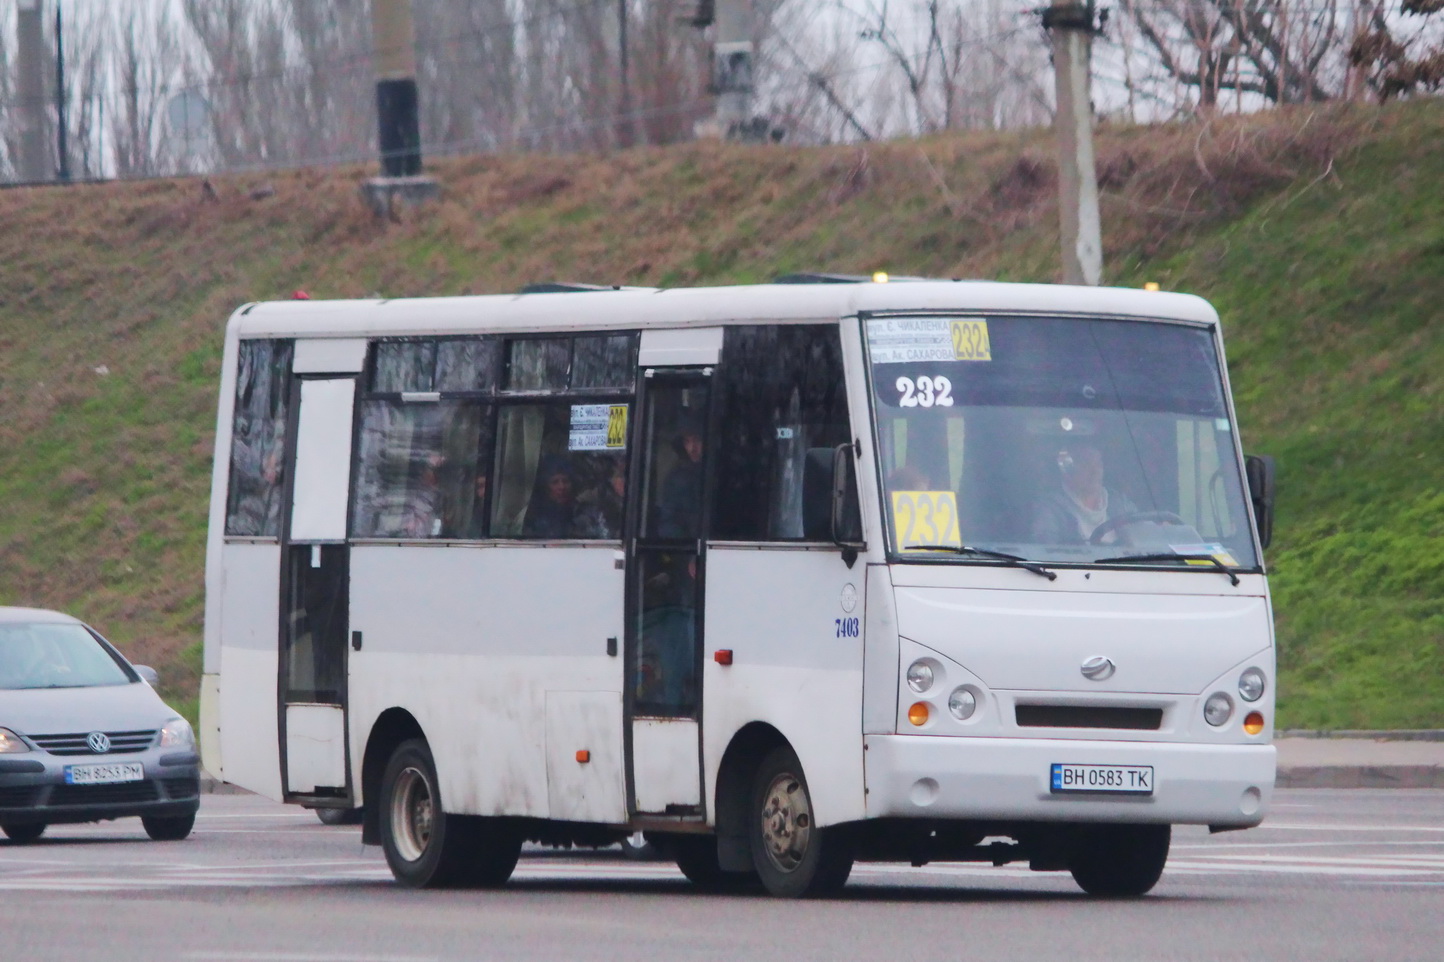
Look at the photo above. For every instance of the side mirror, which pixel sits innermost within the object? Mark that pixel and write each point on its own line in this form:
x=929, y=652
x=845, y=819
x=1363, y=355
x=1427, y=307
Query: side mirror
x=846, y=514
x=1260, y=469
x=148, y=675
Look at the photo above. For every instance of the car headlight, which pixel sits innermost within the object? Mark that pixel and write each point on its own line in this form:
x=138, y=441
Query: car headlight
x=177, y=734
x=1218, y=709
x=10, y=743
x=1251, y=684
x=920, y=676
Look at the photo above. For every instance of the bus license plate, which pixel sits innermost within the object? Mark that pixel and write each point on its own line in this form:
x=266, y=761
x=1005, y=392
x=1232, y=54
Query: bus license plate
x=1118, y=779
x=104, y=774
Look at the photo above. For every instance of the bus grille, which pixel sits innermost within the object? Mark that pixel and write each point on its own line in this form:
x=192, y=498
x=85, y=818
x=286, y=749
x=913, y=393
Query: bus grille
x=73, y=743
x=1088, y=716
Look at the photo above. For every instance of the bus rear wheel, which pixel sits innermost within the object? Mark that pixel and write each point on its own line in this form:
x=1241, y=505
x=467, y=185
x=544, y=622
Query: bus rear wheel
x=794, y=858
x=1119, y=861
x=426, y=847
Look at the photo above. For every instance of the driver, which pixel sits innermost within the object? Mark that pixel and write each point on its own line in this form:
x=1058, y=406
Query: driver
x=1073, y=512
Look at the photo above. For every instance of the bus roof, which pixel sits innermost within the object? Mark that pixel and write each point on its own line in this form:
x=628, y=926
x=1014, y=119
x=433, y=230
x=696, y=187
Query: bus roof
x=632, y=308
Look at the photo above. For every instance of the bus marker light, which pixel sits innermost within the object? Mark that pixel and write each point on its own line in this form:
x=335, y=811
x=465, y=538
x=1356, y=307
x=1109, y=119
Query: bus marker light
x=1151, y=286
x=583, y=755
x=1253, y=722
x=918, y=713
x=879, y=277
x=722, y=656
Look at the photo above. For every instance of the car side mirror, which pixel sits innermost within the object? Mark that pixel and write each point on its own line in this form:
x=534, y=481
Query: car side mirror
x=1260, y=469
x=148, y=675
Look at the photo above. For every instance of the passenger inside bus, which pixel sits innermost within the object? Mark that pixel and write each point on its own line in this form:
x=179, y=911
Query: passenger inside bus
x=1081, y=503
x=679, y=503
x=553, y=509
x=600, y=514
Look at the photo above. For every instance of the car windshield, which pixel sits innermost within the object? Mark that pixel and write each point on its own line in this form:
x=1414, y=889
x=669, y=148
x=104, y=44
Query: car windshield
x=55, y=656
x=1058, y=440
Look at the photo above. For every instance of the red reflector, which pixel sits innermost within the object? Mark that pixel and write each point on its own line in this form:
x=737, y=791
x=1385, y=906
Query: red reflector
x=722, y=656
x=583, y=755
x=300, y=296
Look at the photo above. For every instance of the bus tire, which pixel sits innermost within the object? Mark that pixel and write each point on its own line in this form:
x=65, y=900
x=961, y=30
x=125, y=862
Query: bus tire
x=424, y=846
x=23, y=832
x=793, y=857
x=696, y=856
x=1119, y=861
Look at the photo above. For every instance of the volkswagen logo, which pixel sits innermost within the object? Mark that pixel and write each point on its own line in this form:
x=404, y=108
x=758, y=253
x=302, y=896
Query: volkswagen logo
x=1098, y=668
x=99, y=742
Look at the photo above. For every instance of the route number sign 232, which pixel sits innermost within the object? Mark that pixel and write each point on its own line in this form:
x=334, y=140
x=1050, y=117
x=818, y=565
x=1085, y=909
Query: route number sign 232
x=925, y=519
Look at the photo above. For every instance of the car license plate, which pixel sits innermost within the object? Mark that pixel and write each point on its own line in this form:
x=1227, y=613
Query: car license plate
x=1117, y=779
x=104, y=774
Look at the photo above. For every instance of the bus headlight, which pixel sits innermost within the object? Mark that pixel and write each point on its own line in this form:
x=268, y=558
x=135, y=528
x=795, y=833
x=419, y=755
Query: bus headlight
x=920, y=676
x=1218, y=709
x=962, y=703
x=1251, y=684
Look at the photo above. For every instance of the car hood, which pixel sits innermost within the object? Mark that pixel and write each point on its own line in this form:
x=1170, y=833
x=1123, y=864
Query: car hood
x=53, y=711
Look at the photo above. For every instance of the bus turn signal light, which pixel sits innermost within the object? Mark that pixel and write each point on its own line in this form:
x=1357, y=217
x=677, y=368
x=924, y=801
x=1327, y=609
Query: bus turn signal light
x=722, y=656
x=918, y=713
x=1253, y=722
x=583, y=755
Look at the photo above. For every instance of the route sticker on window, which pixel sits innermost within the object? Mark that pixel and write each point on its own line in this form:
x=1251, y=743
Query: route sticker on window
x=1217, y=551
x=598, y=427
x=925, y=519
x=910, y=340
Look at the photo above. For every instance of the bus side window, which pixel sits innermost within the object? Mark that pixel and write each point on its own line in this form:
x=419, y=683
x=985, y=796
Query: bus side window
x=422, y=470
x=559, y=476
x=782, y=392
x=258, y=438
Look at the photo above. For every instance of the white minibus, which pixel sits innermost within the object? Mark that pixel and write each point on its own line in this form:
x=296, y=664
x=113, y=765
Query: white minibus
x=784, y=576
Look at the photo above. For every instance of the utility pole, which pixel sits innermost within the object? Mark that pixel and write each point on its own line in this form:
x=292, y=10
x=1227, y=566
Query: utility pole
x=393, y=41
x=626, y=128
x=61, y=147
x=1071, y=26
x=732, y=63
x=33, y=164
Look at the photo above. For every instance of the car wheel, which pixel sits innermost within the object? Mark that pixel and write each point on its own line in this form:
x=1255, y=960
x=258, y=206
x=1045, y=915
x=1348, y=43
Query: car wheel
x=339, y=816
x=22, y=832
x=168, y=828
x=425, y=846
x=639, y=849
x=1119, y=861
x=793, y=857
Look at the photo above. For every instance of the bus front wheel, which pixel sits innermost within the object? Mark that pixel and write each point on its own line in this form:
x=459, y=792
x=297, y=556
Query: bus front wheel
x=1119, y=861
x=794, y=858
x=425, y=846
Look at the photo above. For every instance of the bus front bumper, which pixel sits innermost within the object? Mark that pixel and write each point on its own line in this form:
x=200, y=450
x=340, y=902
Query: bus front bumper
x=919, y=776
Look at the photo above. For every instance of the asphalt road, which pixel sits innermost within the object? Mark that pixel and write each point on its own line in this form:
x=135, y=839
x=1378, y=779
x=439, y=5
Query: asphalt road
x=1333, y=874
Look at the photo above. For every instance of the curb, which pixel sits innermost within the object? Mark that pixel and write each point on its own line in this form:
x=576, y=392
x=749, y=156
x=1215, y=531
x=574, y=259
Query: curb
x=1378, y=735
x=1360, y=776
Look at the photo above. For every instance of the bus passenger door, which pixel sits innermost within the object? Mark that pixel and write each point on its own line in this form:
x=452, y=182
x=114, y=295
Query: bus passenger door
x=665, y=568
x=315, y=594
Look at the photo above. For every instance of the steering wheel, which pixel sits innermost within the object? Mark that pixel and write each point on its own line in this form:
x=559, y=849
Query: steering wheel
x=1131, y=517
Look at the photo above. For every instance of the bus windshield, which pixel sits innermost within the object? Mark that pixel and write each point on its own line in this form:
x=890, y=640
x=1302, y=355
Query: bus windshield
x=1055, y=439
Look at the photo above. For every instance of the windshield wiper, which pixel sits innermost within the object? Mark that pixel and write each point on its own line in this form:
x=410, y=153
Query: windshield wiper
x=1012, y=559
x=1226, y=569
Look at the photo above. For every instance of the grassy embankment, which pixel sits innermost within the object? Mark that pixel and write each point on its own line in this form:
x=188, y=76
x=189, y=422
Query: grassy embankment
x=1319, y=235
